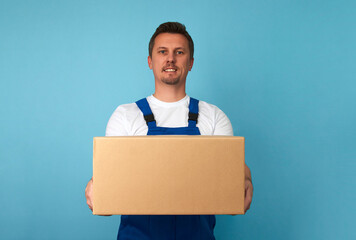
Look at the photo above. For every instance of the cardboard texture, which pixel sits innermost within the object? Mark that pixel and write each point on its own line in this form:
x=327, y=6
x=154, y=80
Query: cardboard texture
x=170, y=175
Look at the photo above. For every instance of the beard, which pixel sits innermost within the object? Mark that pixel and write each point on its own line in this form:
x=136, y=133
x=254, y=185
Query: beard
x=171, y=81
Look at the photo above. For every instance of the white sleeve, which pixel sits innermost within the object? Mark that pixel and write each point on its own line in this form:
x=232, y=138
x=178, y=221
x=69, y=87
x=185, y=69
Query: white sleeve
x=222, y=124
x=117, y=125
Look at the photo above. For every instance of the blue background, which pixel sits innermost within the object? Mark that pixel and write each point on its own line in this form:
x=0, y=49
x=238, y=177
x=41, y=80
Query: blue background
x=283, y=71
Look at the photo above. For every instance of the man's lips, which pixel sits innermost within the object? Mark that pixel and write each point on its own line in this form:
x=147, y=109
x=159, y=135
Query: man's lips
x=169, y=70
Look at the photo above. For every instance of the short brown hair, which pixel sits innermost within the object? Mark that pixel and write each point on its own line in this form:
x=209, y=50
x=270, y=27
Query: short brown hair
x=172, y=27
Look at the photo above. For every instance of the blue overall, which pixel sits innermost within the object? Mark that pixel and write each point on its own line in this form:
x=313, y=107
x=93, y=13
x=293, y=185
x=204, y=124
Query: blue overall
x=168, y=227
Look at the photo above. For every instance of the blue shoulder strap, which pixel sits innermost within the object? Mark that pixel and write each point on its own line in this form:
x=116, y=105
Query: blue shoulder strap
x=193, y=112
x=147, y=112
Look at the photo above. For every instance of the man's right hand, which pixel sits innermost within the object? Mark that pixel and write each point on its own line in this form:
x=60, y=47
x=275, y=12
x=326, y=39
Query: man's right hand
x=89, y=194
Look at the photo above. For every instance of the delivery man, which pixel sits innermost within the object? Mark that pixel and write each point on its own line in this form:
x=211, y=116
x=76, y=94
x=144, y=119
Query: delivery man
x=169, y=111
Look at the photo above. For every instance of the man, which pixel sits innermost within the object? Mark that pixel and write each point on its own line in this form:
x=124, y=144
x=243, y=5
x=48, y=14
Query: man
x=169, y=111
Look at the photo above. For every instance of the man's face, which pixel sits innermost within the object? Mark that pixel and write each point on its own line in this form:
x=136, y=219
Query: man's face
x=170, y=59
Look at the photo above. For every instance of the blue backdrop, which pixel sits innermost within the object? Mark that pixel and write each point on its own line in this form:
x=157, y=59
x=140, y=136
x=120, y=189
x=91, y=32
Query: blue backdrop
x=283, y=71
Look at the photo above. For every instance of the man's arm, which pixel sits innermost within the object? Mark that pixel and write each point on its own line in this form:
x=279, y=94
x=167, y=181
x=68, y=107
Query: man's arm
x=115, y=127
x=224, y=127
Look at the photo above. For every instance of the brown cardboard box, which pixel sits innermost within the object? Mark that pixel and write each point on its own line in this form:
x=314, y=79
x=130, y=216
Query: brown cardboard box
x=175, y=175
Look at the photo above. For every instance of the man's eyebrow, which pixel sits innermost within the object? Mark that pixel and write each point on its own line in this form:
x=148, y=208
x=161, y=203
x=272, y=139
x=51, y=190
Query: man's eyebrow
x=183, y=48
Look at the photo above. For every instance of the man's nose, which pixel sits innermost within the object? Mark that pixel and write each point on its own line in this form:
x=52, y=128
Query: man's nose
x=171, y=57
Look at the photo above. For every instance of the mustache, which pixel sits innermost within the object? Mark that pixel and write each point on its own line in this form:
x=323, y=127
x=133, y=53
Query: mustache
x=169, y=66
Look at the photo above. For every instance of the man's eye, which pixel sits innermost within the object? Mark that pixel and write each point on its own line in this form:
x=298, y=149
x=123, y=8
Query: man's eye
x=162, y=51
x=179, y=52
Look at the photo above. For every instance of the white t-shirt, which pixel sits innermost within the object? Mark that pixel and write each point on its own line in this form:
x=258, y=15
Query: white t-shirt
x=128, y=120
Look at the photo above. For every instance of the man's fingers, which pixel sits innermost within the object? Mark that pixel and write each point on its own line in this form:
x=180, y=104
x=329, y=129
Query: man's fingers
x=248, y=194
x=247, y=203
x=90, y=205
x=89, y=194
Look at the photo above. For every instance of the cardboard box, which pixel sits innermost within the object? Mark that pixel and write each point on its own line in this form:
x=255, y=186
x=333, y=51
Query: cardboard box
x=170, y=175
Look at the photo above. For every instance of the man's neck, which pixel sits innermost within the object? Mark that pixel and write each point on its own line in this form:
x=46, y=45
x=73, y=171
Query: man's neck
x=169, y=93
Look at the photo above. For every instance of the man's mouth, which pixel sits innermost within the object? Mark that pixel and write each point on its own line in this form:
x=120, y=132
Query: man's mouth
x=170, y=70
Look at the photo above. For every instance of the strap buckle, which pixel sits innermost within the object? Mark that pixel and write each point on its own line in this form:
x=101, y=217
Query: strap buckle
x=149, y=118
x=193, y=117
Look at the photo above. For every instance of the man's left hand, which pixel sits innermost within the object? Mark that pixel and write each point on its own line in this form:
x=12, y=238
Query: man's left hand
x=248, y=188
x=248, y=193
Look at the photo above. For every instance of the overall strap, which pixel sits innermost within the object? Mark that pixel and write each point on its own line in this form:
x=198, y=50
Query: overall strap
x=193, y=112
x=147, y=112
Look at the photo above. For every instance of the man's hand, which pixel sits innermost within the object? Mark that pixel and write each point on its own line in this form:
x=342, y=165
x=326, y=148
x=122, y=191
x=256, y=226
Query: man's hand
x=89, y=194
x=248, y=188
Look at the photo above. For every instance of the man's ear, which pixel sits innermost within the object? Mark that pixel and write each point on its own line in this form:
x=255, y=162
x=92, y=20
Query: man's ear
x=149, y=60
x=191, y=64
